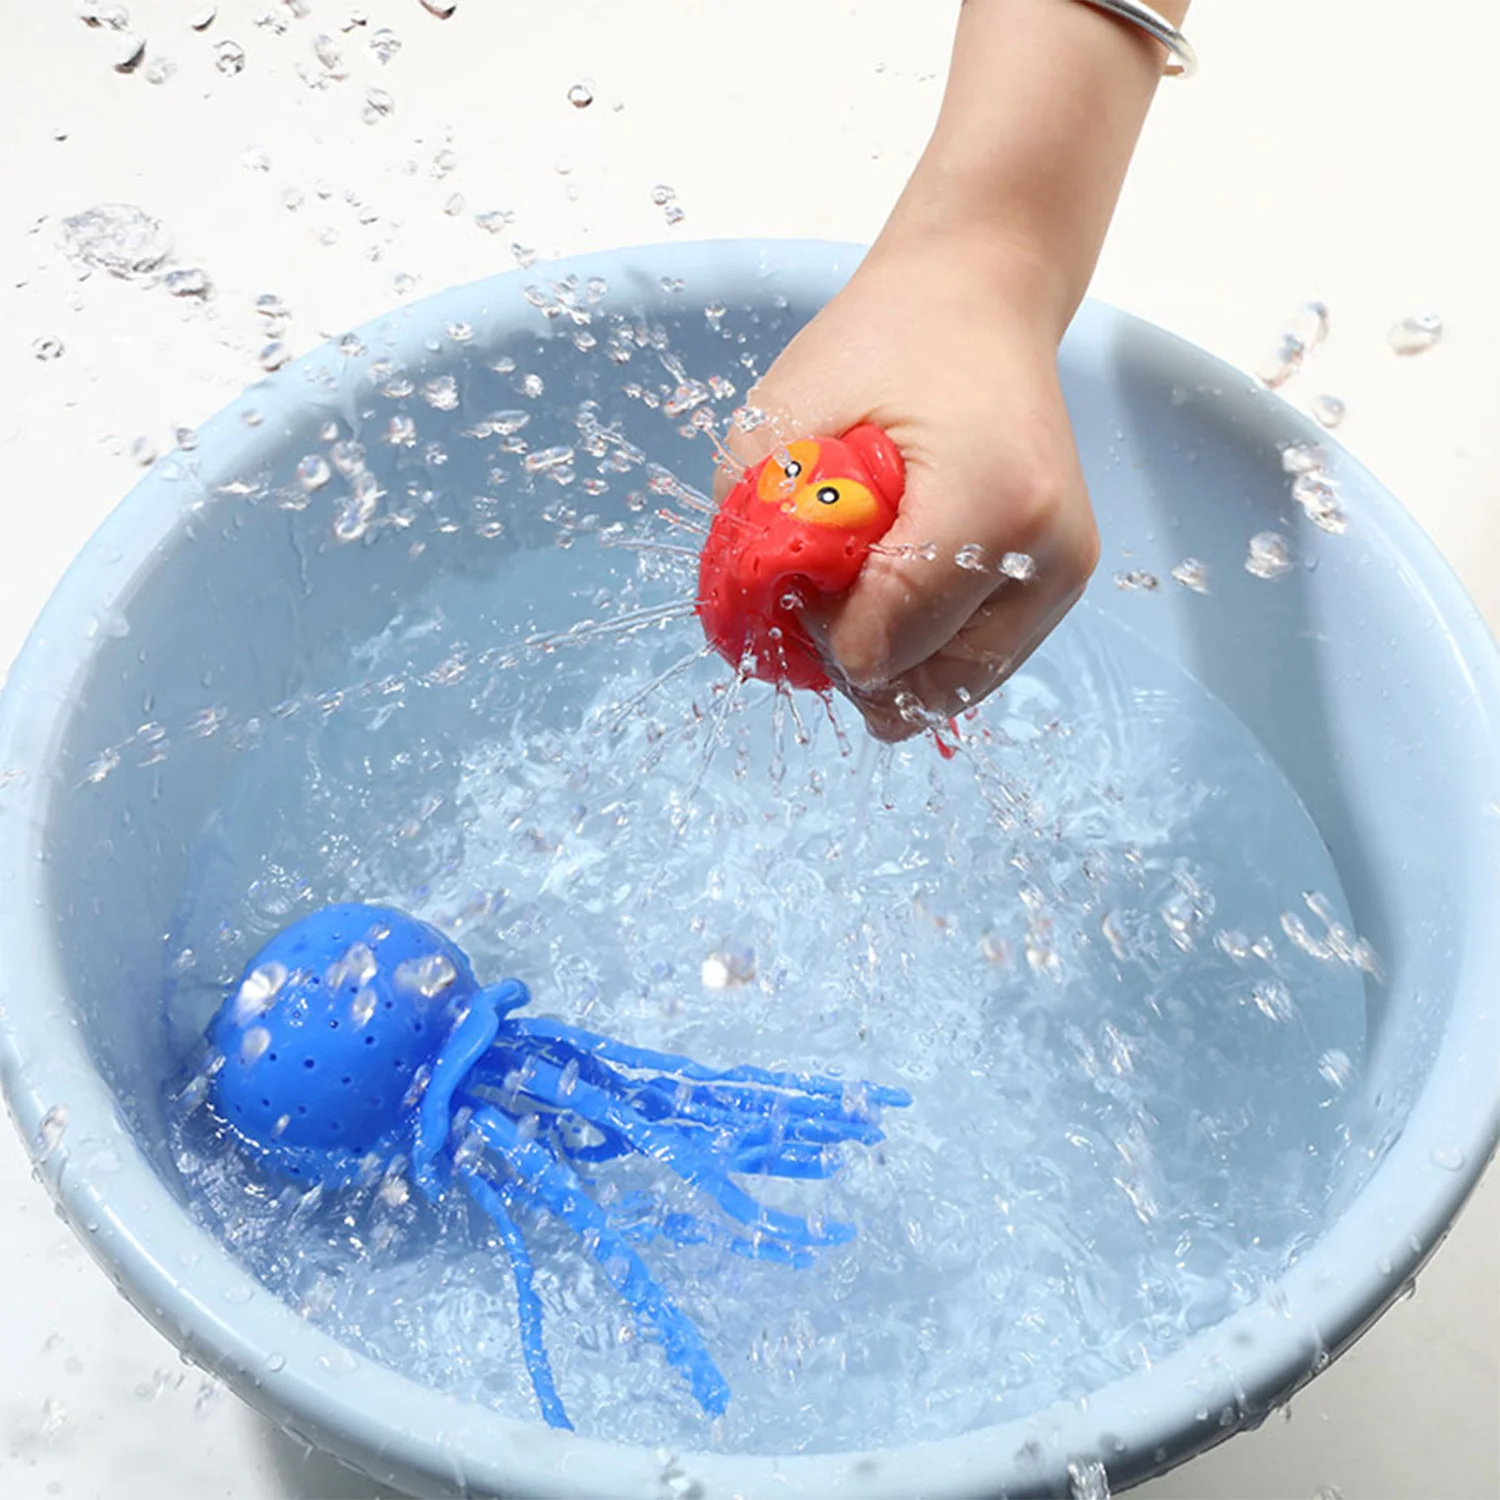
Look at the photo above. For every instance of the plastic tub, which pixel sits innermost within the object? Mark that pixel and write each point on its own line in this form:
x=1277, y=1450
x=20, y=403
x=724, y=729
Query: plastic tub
x=1365, y=672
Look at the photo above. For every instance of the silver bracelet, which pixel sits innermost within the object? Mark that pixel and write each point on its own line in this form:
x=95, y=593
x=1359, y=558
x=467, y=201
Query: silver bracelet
x=1184, y=61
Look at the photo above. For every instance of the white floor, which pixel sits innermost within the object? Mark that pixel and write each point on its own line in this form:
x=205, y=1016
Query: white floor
x=1325, y=151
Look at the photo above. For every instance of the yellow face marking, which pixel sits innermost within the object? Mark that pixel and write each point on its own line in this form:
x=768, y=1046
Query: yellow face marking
x=843, y=503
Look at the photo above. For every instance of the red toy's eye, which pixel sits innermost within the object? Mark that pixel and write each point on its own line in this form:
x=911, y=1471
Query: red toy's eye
x=828, y=495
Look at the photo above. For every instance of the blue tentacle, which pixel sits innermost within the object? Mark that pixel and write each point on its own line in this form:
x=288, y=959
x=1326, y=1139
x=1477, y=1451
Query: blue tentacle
x=528, y=1304
x=553, y=1184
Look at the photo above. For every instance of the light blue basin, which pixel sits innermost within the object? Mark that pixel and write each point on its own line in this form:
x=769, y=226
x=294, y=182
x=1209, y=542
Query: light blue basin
x=1366, y=673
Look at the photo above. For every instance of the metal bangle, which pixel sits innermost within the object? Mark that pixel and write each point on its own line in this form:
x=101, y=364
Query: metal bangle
x=1183, y=60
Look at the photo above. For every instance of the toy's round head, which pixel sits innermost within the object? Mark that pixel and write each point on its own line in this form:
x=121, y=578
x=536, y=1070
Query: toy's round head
x=797, y=527
x=331, y=1036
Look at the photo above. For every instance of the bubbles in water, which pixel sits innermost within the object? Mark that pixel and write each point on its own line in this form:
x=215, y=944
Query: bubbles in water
x=1021, y=566
x=1269, y=555
x=313, y=472
x=385, y=44
x=1192, y=574
x=229, y=58
x=118, y=238
x=1417, y=334
x=532, y=385
x=402, y=431
x=1329, y=411
x=378, y=105
x=47, y=347
x=50, y=1131
x=580, y=96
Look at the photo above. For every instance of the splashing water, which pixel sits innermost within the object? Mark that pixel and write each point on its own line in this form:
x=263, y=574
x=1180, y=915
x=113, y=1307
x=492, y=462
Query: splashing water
x=1067, y=944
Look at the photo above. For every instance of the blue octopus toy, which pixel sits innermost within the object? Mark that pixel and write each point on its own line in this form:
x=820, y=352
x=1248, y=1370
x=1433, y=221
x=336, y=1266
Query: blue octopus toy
x=361, y=1033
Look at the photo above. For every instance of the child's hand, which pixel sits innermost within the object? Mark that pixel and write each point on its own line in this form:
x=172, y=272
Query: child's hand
x=951, y=347
x=947, y=337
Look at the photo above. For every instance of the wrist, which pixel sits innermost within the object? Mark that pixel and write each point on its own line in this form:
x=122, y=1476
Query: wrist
x=1045, y=102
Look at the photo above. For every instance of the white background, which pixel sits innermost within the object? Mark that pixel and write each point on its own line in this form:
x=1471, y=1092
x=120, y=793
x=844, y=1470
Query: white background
x=1336, y=149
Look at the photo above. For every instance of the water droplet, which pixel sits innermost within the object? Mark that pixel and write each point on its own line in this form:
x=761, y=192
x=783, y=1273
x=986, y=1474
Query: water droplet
x=662, y=194
x=186, y=438
x=442, y=9
x=129, y=52
x=673, y=213
x=254, y=1045
x=1417, y=334
x=46, y=347
x=454, y=205
x=203, y=19
x=1137, y=578
x=970, y=557
x=325, y=49
x=1328, y=1492
x=1335, y=1067
x=1269, y=555
x=427, y=977
x=1303, y=458
x=402, y=431
x=404, y=283
x=160, y=69
x=273, y=355
x=258, y=992
x=385, y=44
x=1320, y=502
x=50, y=1131
x=143, y=451
x=1088, y=1480
x=229, y=57
x=313, y=472
x=1272, y=999
x=1192, y=574
x=275, y=1362
x=1449, y=1158
x=118, y=238
x=442, y=393
x=443, y=162
x=580, y=96
x=493, y=220
x=532, y=385
x=187, y=281
x=1328, y=411
x=293, y=198
x=1020, y=566
x=378, y=105
x=1298, y=340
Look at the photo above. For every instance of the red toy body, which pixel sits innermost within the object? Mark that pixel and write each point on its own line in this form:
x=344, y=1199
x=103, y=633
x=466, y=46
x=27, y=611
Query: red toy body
x=797, y=527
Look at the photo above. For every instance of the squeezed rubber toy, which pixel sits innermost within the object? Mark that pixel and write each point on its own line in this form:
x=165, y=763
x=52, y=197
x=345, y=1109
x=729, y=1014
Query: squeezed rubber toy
x=359, y=1035
x=797, y=527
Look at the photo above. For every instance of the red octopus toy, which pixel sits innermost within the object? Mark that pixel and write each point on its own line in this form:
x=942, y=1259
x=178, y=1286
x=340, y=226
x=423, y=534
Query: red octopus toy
x=796, y=528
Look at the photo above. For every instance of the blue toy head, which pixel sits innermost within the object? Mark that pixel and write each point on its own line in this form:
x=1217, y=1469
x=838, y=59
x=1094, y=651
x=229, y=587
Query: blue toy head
x=331, y=1037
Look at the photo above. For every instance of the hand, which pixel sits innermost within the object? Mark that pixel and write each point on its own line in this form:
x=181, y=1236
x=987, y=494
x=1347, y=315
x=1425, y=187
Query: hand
x=949, y=344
